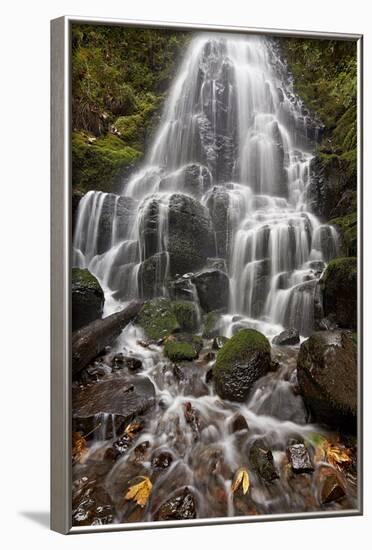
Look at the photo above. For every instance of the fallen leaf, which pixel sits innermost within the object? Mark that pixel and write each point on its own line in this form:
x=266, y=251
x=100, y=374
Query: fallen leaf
x=79, y=446
x=132, y=429
x=140, y=492
x=241, y=478
x=337, y=455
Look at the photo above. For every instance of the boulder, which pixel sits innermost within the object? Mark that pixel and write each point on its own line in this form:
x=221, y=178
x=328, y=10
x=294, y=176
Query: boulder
x=339, y=292
x=187, y=315
x=87, y=298
x=288, y=337
x=151, y=275
x=183, y=347
x=243, y=359
x=182, y=288
x=120, y=399
x=327, y=377
x=157, y=319
x=219, y=342
x=190, y=235
x=331, y=490
x=180, y=507
x=211, y=324
x=213, y=289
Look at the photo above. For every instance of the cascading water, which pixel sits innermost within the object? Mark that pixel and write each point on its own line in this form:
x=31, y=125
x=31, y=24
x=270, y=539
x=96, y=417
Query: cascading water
x=231, y=128
x=224, y=182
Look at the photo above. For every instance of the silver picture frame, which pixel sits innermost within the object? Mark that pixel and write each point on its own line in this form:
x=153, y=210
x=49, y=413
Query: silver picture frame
x=61, y=478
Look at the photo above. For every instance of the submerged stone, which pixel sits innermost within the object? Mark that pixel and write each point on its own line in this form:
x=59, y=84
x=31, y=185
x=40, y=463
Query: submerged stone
x=299, y=458
x=179, y=507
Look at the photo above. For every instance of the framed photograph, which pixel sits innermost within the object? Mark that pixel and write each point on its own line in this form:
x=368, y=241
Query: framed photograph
x=206, y=275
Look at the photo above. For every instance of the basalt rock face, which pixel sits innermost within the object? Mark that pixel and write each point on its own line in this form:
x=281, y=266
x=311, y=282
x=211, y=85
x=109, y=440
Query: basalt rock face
x=87, y=298
x=193, y=179
x=339, y=291
x=190, y=239
x=327, y=377
x=218, y=204
x=243, y=359
x=213, y=289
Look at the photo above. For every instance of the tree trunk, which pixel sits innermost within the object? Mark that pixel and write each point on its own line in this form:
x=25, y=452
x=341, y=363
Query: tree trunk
x=90, y=340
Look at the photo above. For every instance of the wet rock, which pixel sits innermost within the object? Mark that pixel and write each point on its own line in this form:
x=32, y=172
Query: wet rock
x=190, y=238
x=120, y=361
x=299, y=458
x=157, y=318
x=91, y=504
x=262, y=462
x=183, y=347
x=213, y=289
x=179, y=507
x=218, y=204
x=240, y=363
x=161, y=460
x=289, y=337
x=194, y=179
x=327, y=377
x=332, y=490
x=219, y=342
x=87, y=298
x=151, y=275
x=182, y=288
x=192, y=417
x=238, y=423
x=186, y=314
x=209, y=376
x=339, y=289
x=211, y=324
x=216, y=263
x=121, y=399
x=141, y=452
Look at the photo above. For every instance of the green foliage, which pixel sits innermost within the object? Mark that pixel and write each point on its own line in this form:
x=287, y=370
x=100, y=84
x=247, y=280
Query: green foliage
x=98, y=163
x=348, y=226
x=119, y=79
x=325, y=77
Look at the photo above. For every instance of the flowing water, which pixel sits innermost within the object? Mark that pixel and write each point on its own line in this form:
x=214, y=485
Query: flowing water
x=233, y=121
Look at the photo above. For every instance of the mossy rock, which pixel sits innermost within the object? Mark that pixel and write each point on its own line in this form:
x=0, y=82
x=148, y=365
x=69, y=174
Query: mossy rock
x=347, y=227
x=339, y=291
x=327, y=377
x=240, y=363
x=183, y=347
x=87, y=298
x=211, y=323
x=186, y=314
x=157, y=319
x=100, y=163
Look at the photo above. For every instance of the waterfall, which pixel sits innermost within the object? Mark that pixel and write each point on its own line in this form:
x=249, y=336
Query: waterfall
x=233, y=138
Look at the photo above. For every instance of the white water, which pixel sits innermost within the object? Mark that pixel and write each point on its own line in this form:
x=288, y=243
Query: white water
x=232, y=112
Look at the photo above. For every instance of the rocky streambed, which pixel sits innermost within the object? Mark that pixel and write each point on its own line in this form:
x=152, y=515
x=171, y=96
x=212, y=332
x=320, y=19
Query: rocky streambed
x=176, y=421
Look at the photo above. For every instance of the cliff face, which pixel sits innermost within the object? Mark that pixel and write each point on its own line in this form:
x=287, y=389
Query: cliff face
x=119, y=79
x=325, y=76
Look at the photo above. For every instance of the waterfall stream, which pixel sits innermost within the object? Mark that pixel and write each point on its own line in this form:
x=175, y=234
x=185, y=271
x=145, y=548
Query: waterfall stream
x=234, y=145
x=233, y=126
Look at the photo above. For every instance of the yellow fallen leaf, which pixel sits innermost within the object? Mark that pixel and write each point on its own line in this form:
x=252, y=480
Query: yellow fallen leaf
x=132, y=429
x=140, y=492
x=337, y=455
x=241, y=478
x=79, y=446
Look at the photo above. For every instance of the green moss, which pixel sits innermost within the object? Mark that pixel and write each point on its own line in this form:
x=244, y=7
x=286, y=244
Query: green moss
x=186, y=315
x=98, y=164
x=325, y=77
x=84, y=279
x=183, y=347
x=211, y=323
x=348, y=227
x=241, y=345
x=339, y=270
x=157, y=319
